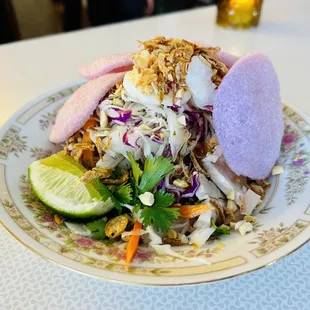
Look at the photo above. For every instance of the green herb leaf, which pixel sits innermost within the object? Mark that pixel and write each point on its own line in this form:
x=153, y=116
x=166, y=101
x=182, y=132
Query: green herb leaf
x=161, y=218
x=136, y=208
x=117, y=174
x=135, y=168
x=163, y=199
x=133, y=186
x=106, y=193
x=136, y=174
x=97, y=229
x=154, y=171
x=111, y=188
x=160, y=215
x=221, y=230
x=123, y=193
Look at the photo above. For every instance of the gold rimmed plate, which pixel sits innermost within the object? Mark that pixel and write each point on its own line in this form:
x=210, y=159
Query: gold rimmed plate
x=282, y=226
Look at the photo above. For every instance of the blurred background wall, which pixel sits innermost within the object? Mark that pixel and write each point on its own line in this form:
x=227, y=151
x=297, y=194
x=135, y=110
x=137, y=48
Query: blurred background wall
x=23, y=19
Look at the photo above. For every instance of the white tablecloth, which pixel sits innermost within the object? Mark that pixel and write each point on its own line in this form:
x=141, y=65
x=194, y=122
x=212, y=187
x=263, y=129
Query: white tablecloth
x=30, y=68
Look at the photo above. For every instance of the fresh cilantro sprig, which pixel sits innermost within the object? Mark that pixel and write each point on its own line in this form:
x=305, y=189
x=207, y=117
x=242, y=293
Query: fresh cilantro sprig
x=136, y=171
x=122, y=192
x=160, y=215
x=221, y=230
x=97, y=229
x=154, y=171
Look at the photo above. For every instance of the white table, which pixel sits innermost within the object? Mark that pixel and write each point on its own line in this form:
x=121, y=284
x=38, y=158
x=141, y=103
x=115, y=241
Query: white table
x=30, y=68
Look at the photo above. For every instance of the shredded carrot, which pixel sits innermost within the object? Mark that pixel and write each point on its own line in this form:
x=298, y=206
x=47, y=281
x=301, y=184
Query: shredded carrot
x=88, y=156
x=90, y=123
x=191, y=211
x=133, y=243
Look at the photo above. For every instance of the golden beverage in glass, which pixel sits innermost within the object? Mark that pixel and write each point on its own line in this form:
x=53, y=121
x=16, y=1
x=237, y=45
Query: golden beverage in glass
x=239, y=13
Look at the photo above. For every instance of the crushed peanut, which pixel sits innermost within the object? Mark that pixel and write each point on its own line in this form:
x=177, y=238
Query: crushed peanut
x=172, y=241
x=264, y=183
x=180, y=183
x=230, y=212
x=172, y=234
x=257, y=189
x=58, y=220
x=118, y=102
x=211, y=144
x=250, y=219
x=231, y=206
x=232, y=225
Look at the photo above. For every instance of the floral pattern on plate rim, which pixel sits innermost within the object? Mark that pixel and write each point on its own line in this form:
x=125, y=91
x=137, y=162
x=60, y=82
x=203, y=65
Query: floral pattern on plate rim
x=294, y=160
x=12, y=142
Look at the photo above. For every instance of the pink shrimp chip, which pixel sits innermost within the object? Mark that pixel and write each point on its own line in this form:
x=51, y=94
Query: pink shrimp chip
x=225, y=58
x=108, y=64
x=81, y=105
x=248, y=117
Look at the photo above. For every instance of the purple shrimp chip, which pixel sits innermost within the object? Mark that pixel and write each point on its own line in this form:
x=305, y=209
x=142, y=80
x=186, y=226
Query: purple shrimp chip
x=248, y=117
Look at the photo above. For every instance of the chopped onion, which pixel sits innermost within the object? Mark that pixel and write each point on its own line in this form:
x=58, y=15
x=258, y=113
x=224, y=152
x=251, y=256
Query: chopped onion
x=277, y=170
x=172, y=187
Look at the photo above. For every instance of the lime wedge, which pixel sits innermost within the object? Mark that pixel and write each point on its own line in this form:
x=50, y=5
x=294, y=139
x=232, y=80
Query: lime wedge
x=56, y=181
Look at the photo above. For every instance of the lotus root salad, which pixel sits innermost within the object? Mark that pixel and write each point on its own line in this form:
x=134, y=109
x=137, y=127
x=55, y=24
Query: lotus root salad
x=169, y=146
